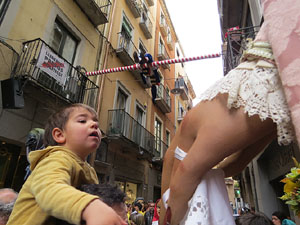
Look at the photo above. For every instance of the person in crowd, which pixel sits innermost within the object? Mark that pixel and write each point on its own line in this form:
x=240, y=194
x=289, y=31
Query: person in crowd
x=244, y=210
x=253, y=219
x=279, y=218
x=234, y=121
x=149, y=213
x=7, y=200
x=156, y=215
x=129, y=211
x=71, y=134
x=109, y=194
x=137, y=217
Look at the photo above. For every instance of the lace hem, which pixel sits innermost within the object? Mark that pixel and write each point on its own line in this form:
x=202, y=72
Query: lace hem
x=260, y=92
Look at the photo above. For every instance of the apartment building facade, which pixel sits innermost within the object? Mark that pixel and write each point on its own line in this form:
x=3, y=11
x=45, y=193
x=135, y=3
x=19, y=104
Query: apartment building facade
x=45, y=50
x=259, y=182
x=183, y=89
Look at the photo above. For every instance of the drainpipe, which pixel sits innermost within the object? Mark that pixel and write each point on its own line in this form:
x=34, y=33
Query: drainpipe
x=102, y=77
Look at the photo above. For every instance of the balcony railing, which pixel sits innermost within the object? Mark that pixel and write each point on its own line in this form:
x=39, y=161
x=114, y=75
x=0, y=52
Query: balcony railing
x=96, y=10
x=8, y=60
x=170, y=42
x=125, y=51
x=180, y=84
x=163, y=55
x=121, y=124
x=163, y=99
x=163, y=27
x=135, y=6
x=146, y=25
x=181, y=115
x=236, y=43
x=39, y=63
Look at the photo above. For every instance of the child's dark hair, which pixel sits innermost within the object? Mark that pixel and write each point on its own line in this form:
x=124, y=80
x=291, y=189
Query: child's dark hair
x=59, y=120
x=253, y=219
x=108, y=193
x=280, y=215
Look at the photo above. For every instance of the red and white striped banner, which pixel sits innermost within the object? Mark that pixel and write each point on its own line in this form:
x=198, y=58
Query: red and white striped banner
x=156, y=63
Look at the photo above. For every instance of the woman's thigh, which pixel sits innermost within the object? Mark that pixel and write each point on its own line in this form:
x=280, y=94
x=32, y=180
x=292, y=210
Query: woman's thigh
x=219, y=132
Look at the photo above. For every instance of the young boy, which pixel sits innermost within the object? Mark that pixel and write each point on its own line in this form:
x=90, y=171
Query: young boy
x=50, y=191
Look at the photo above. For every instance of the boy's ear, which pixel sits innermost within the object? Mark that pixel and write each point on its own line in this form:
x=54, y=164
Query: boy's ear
x=58, y=135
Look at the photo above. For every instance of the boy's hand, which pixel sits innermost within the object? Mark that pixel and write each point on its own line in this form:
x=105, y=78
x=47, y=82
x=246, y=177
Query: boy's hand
x=98, y=213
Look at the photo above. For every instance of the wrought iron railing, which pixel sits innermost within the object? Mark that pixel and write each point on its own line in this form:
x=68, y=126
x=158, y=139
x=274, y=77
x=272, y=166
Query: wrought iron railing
x=180, y=83
x=236, y=43
x=162, y=93
x=146, y=20
x=39, y=62
x=163, y=52
x=8, y=60
x=104, y=5
x=121, y=124
x=126, y=44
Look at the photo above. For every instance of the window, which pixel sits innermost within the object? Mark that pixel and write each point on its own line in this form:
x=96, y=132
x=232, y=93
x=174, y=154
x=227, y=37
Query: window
x=121, y=99
x=162, y=18
x=168, y=138
x=138, y=127
x=180, y=111
x=126, y=34
x=157, y=134
x=161, y=47
x=139, y=115
x=129, y=188
x=169, y=36
x=63, y=42
x=145, y=14
x=142, y=48
x=178, y=54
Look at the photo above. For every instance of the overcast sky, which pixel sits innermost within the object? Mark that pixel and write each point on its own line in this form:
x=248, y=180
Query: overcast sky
x=197, y=26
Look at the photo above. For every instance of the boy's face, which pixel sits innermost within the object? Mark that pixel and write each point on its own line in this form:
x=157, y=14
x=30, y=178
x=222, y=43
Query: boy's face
x=81, y=132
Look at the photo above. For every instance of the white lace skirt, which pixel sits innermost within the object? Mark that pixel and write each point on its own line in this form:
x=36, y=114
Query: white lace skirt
x=210, y=204
x=256, y=87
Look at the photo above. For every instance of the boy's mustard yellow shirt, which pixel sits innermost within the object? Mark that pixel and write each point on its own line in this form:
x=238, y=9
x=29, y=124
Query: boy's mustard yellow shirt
x=51, y=188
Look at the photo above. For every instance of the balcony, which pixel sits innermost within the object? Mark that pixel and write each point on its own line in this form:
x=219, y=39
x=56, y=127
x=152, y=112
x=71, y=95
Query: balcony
x=163, y=99
x=135, y=7
x=150, y=2
x=96, y=10
x=170, y=42
x=43, y=67
x=163, y=28
x=159, y=151
x=163, y=55
x=125, y=51
x=181, y=115
x=126, y=131
x=236, y=43
x=181, y=89
x=146, y=25
x=8, y=60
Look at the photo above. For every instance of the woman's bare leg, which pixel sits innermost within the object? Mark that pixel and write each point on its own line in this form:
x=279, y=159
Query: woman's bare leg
x=210, y=133
x=236, y=163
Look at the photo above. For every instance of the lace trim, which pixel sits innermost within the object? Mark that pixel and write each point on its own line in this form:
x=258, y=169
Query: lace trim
x=260, y=92
x=258, y=50
x=198, y=213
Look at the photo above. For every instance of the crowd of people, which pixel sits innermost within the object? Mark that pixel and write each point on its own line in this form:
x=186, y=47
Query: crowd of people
x=143, y=213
